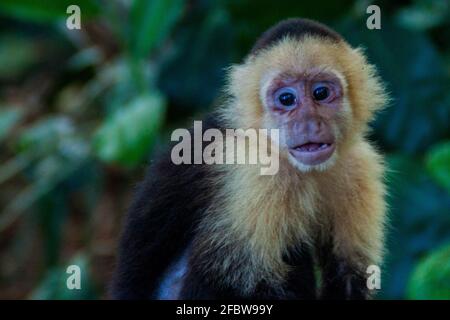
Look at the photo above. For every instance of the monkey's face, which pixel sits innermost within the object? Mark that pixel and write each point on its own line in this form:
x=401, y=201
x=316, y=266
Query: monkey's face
x=306, y=107
x=319, y=94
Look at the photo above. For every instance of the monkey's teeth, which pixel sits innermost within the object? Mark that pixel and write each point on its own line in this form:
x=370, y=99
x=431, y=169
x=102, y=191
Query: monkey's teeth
x=312, y=147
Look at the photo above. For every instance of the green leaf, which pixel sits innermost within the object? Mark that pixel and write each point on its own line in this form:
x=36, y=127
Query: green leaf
x=438, y=163
x=151, y=23
x=418, y=221
x=17, y=55
x=13, y=166
x=126, y=137
x=46, y=10
x=52, y=152
x=8, y=118
x=431, y=277
x=423, y=14
x=193, y=73
x=45, y=135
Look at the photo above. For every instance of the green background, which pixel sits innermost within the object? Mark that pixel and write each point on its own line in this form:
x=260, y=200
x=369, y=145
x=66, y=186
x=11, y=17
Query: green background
x=81, y=112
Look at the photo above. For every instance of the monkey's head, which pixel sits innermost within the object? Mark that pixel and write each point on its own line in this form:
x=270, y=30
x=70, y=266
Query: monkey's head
x=305, y=80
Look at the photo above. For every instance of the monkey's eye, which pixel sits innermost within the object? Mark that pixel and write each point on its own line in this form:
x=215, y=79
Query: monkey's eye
x=321, y=93
x=286, y=97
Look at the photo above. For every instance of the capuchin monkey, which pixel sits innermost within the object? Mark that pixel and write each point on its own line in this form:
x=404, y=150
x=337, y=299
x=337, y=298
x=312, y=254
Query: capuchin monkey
x=202, y=231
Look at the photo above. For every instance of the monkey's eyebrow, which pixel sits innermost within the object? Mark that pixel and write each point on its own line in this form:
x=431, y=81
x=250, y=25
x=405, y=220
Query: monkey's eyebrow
x=329, y=75
x=323, y=72
x=311, y=73
x=319, y=73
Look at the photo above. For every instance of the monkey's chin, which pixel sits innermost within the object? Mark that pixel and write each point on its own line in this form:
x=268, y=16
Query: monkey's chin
x=318, y=166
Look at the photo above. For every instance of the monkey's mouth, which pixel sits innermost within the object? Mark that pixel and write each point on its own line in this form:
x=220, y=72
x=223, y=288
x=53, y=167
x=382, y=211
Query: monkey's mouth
x=313, y=153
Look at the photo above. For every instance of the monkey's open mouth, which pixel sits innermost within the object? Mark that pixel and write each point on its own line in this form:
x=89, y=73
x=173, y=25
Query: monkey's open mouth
x=312, y=153
x=313, y=146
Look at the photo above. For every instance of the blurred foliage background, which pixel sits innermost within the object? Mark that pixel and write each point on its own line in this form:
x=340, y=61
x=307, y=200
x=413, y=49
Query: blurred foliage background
x=82, y=110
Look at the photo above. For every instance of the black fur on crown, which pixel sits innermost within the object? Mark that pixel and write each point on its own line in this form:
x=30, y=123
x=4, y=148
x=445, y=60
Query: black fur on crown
x=296, y=28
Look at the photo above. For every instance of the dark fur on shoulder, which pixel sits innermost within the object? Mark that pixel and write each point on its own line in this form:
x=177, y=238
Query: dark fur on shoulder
x=296, y=28
x=160, y=224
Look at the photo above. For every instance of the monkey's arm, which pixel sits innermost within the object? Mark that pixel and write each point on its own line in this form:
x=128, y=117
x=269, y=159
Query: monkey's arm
x=356, y=238
x=157, y=228
x=341, y=279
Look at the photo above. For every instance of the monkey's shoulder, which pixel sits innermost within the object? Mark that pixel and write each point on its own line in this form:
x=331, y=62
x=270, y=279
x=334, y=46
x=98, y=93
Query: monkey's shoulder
x=172, y=188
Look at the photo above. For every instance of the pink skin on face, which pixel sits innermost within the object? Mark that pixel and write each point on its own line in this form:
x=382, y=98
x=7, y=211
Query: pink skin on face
x=305, y=107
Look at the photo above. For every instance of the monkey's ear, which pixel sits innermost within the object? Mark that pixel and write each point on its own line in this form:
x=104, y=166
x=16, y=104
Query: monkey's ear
x=243, y=85
x=366, y=89
x=243, y=81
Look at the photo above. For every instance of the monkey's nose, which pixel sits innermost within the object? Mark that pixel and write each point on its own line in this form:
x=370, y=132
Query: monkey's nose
x=314, y=126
